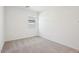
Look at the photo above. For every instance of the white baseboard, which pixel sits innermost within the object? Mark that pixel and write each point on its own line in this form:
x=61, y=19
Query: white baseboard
x=60, y=43
x=20, y=38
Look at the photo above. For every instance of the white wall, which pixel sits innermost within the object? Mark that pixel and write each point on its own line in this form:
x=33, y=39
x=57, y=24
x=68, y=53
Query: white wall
x=17, y=24
x=1, y=27
x=61, y=24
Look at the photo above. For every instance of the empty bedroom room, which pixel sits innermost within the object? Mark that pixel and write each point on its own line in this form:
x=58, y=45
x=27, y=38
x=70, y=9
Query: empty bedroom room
x=40, y=29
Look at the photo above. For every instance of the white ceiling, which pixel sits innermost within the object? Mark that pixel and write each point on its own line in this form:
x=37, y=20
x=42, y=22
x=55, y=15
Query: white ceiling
x=39, y=8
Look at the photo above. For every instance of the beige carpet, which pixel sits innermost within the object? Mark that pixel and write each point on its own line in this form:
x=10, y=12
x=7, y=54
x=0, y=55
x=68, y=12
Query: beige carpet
x=35, y=45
